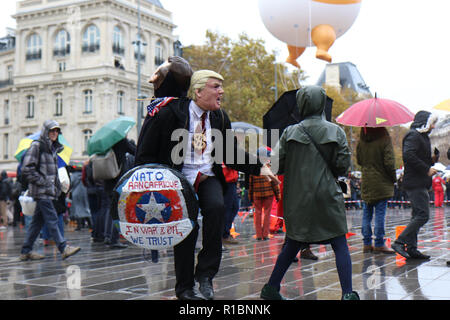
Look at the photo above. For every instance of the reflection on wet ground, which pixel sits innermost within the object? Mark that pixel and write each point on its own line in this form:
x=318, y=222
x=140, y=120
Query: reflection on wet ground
x=101, y=273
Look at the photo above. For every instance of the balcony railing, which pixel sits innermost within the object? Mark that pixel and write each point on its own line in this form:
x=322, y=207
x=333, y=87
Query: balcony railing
x=159, y=61
x=90, y=47
x=5, y=83
x=61, y=52
x=118, y=50
x=34, y=55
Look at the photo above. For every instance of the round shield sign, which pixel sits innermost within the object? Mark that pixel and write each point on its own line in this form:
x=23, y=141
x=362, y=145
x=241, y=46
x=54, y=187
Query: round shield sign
x=157, y=206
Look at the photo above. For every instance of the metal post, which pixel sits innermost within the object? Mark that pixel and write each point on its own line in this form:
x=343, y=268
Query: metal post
x=276, y=80
x=138, y=43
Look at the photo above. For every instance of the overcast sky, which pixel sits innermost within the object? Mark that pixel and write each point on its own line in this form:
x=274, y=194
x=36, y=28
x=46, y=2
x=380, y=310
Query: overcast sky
x=400, y=47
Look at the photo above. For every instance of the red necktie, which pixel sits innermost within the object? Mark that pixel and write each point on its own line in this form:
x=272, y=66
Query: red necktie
x=203, y=117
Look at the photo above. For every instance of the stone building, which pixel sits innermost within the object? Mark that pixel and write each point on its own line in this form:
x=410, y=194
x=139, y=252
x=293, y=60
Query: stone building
x=76, y=61
x=344, y=75
x=440, y=137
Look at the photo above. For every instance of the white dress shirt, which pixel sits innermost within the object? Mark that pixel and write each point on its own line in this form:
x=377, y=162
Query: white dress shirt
x=195, y=162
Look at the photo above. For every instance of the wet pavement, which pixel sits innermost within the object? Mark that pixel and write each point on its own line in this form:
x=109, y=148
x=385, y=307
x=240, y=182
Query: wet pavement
x=100, y=273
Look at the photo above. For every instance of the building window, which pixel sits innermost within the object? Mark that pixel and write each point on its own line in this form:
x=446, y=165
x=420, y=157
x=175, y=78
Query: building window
x=120, y=96
x=61, y=66
x=10, y=72
x=118, y=47
x=87, y=101
x=177, y=49
x=6, y=112
x=91, y=39
x=30, y=107
x=34, y=44
x=61, y=46
x=87, y=134
x=58, y=104
x=5, y=145
x=159, y=53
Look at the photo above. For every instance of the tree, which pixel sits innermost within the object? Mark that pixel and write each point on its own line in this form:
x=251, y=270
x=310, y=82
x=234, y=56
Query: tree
x=249, y=74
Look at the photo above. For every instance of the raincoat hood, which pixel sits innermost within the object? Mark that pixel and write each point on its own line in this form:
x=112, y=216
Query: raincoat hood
x=49, y=124
x=423, y=120
x=311, y=101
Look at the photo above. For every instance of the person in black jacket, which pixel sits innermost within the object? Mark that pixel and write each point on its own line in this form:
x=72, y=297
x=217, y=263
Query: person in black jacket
x=418, y=161
x=111, y=231
x=5, y=195
x=156, y=145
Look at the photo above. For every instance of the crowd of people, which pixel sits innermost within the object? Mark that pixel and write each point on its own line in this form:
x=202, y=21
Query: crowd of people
x=439, y=193
x=312, y=204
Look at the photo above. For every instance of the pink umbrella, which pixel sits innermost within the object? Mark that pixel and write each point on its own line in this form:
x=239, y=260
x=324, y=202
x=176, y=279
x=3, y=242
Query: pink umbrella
x=375, y=112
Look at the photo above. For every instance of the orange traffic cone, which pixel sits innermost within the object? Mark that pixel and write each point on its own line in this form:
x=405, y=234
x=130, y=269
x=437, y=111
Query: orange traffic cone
x=399, y=230
x=233, y=232
x=349, y=234
x=399, y=260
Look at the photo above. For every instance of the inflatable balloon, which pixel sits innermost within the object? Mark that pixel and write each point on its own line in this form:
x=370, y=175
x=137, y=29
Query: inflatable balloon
x=157, y=206
x=306, y=23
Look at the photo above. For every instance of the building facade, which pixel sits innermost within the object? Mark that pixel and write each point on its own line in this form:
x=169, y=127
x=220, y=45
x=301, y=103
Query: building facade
x=440, y=137
x=76, y=61
x=344, y=75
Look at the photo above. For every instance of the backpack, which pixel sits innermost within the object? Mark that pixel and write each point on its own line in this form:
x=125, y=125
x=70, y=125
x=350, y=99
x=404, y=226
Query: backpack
x=20, y=177
x=86, y=175
x=105, y=167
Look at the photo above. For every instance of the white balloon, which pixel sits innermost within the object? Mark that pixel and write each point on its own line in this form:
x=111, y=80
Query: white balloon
x=291, y=21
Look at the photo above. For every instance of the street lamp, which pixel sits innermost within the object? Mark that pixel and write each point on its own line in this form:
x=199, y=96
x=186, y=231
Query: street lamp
x=139, y=43
x=275, y=87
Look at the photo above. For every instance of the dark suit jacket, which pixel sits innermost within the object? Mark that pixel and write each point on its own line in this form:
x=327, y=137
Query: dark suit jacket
x=155, y=143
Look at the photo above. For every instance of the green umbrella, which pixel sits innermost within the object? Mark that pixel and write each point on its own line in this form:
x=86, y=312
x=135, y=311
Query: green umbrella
x=108, y=135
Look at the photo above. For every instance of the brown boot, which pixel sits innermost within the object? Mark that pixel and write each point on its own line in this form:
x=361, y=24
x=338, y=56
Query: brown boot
x=367, y=249
x=383, y=249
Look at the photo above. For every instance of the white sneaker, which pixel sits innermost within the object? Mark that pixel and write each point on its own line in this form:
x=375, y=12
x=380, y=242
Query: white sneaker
x=69, y=251
x=31, y=256
x=2, y=228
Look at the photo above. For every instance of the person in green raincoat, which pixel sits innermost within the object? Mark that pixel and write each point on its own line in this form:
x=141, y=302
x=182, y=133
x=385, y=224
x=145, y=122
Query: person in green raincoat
x=314, y=209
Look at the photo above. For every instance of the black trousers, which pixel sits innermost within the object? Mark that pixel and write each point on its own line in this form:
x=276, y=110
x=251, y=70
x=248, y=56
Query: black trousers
x=420, y=214
x=212, y=208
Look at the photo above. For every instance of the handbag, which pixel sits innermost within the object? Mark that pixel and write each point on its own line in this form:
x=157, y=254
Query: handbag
x=105, y=167
x=27, y=203
x=64, y=179
x=339, y=182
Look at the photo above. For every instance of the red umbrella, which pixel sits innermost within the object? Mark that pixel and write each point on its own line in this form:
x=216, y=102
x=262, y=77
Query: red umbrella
x=375, y=112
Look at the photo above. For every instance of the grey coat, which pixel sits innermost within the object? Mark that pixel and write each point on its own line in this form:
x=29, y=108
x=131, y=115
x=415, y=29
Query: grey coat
x=40, y=166
x=80, y=204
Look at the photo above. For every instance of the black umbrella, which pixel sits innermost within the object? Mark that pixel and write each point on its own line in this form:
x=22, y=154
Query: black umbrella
x=284, y=113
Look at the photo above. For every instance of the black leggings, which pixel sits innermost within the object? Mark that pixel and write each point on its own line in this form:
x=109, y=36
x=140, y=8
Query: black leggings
x=292, y=247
